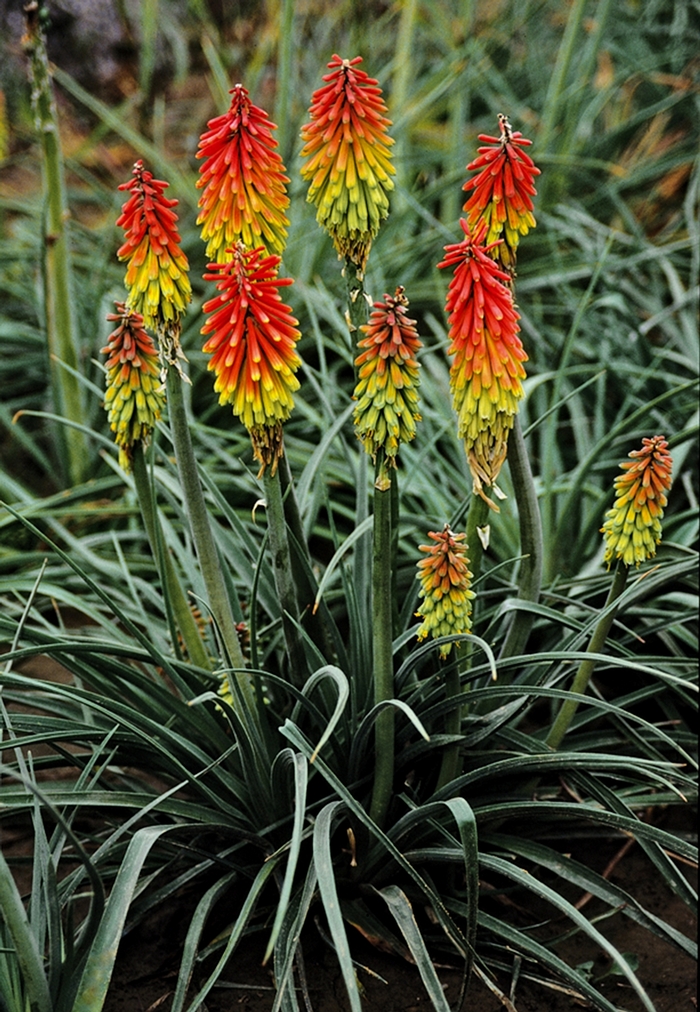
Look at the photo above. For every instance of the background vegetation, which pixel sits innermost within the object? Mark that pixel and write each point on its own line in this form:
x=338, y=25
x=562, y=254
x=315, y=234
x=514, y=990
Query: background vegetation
x=176, y=791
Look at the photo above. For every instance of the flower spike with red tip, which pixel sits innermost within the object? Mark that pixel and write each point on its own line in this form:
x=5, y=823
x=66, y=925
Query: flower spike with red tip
x=243, y=180
x=487, y=368
x=503, y=191
x=632, y=528
x=445, y=588
x=156, y=276
x=134, y=397
x=252, y=343
x=348, y=165
x=386, y=391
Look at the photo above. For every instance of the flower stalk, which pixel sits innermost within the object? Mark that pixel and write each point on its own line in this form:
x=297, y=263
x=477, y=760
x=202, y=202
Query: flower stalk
x=61, y=329
x=632, y=530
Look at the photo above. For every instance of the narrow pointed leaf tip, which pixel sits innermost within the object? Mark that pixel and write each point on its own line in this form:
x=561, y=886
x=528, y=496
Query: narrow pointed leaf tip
x=156, y=275
x=388, y=378
x=445, y=582
x=632, y=528
x=252, y=346
x=487, y=368
x=134, y=397
x=243, y=181
x=348, y=167
x=502, y=191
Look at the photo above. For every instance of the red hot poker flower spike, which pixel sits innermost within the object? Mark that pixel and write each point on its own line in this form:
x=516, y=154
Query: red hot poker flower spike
x=156, y=275
x=386, y=391
x=243, y=181
x=252, y=344
x=134, y=397
x=632, y=527
x=487, y=369
x=348, y=168
x=445, y=587
x=503, y=190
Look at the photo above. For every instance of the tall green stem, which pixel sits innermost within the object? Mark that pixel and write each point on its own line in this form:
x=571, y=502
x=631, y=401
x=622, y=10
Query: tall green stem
x=61, y=331
x=284, y=581
x=382, y=646
x=531, y=541
x=450, y=767
x=583, y=675
x=477, y=517
x=184, y=618
x=202, y=534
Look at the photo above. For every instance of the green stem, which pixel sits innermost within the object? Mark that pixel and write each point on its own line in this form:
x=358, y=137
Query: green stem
x=202, y=536
x=531, y=541
x=382, y=645
x=61, y=331
x=282, y=569
x=191, y=637
x=450, y=767
x=477, y=517
x=583, y=675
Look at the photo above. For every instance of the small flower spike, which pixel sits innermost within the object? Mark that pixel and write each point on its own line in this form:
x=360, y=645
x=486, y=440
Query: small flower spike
x=243, y=180
x=386, y=391
x=134, y=397
x=487, y=368
x=445, y=588
x=503, y=191
x=632, y=528
x=156, y=275
x=348, y=168
x=252, y=343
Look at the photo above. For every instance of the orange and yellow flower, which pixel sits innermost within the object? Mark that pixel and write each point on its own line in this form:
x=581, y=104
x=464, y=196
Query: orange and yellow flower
x=487, y=369
x=386, y=390
x=252, y=344
x=632, y=528
x=156, y=275
x=134, y=396
x=503, y=191
x=348, y=168
x=243, y=180
x=445, y=588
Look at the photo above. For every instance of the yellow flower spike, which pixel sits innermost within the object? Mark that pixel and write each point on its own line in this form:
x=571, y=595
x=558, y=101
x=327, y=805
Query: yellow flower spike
x=632, y=528
x=445, y=588
x=242, y=179
x=487, y=369
x=134, y=396
x=156, y=275
x=348, y=168
x=252, y=343
x=386, y=391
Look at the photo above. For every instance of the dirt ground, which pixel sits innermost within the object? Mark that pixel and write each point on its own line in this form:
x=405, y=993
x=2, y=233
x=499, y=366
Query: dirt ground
x=147, y=965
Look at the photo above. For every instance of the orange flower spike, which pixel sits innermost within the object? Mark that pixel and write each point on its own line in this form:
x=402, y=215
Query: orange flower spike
x=252, y=344
x=386, y=391
x=445, y=588
x=134, y=396
x=503, y=190
x=243, y=180
x=632, y=528
x=487, y=369
x=156, y=276
x=349, y=167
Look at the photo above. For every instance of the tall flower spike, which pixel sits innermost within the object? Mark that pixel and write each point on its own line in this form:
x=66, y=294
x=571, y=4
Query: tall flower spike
x=134, y=397
x=503, y=191
x=386, y=391
x=243, y=181
x=156, y=274
x=349, y=169
x=487, y=369
x=445, y=588
x=632, y=528
x=252, y=344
